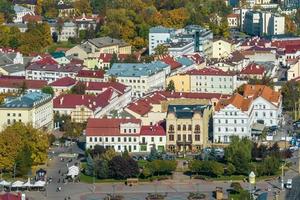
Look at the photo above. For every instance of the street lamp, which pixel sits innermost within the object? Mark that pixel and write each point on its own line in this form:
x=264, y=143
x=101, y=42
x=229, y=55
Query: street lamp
x=251, y=182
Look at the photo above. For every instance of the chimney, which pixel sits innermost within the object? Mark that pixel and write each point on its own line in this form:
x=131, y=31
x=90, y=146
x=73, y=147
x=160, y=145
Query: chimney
x=87, y=84
x=94, y=103
x=82, y=97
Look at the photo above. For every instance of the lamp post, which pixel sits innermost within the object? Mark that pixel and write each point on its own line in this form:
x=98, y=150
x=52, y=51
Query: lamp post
x=251, y=182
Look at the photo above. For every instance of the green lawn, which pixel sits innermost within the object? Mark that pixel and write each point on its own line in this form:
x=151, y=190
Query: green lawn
x=54, y=46
x=89, y=179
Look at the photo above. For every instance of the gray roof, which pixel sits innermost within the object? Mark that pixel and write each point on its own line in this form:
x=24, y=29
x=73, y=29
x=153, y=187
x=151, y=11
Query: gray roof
x=136, y=69
x=19, y=9
x=14, y=68
x=160, y=29
x=7, y=58
x=106, y=41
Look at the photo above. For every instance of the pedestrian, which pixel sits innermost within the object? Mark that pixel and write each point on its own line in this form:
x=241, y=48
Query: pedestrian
x=58, y=180
x=58, y=171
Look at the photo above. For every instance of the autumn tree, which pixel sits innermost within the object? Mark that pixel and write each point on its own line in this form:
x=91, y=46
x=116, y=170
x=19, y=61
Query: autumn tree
x=6, y=8
x=83, y=6
x=290, y=26
x=161, y=49
x=48, y=90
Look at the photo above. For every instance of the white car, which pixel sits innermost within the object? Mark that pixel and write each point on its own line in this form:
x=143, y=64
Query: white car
x=289, y=184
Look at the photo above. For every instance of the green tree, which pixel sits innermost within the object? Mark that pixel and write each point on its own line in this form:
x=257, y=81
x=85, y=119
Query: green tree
x=122, y=168
x=154, y=155
x=101, y=169
x=109, y=154
x=238, y=153
x=171, y=86
x=6, y=7
x=291, y=95
x=114, y=59
x=90, y=166
x=270, y=165
x=48, y=90
x=23, y=161
x=230, y=170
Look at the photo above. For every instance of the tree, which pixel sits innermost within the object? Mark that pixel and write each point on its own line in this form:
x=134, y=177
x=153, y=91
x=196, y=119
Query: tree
x=109, y=154
x=114, y=59
x=23, y=161
x=6, y=7
x=78, y=88
x=13, y=140
x=290, y=26
x=270, y=165
x=48, y=90
x=161, y=50
x=291, y=95
x=83, y=6
x=122, y=168
x=90, y=166
x=171, y=86
x=230, y=170
x=238, y=153
x=154, y=155
x=101, y=169
x=73, y=129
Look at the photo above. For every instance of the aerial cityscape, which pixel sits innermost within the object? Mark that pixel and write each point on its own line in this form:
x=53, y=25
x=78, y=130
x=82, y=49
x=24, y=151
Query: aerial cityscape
x=149, y=99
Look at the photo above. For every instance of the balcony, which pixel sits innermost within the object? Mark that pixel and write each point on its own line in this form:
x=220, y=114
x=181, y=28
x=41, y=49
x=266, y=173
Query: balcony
x=183, y=143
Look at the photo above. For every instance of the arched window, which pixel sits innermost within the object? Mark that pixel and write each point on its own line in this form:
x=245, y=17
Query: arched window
x=171, y=128
x=184, y=127
x=197, y=128
x=178, y=128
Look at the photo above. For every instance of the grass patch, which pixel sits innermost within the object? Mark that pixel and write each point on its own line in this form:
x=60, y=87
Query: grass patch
x=54, y=46
x=89, y=179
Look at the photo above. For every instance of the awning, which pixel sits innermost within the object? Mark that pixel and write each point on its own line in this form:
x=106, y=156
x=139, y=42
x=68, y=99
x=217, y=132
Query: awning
x=17, y=184
x=257, y=127
x=5, y=183
x=39, y=184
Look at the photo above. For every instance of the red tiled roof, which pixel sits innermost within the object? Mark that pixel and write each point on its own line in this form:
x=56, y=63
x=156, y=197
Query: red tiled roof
x=233, y=15
x=284, y=43
x=32, y=18
x=90, y=101
x=108, y=127
x=55, y=67
x=63, y=82
x=11, y=77
x=145, y=105
x=196, y=57
x=253, y=68
x=261, y=90
x=99, y=86
x=153, y=130
x=47, y=60
x=15, y=83
x=209, y=71
x=170, y=61
x=237, y=101
x=91, y=74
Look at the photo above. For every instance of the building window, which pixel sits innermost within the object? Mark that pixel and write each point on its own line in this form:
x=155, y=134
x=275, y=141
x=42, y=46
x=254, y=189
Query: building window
x=112, y=139
x=226, y=129
x=197, y=137
x=242, y=129
x=124, y=130
x=178, y=128
x=125, y=139
x=171, y=128
x=19, y=114
x=264, y=114
x=119, y=147
x=119, y=139
x=129, y=139
x=134, y=130
x=189, y=127
x=184, y=127
x=160, y=139
x=134, y=139
x=197, y=128
x=171, y=137
x=106, y=139
x=152, y=139
x=219, y=129
x=226, y=121
x=189, y=137
x=91, y=139
x=8, y=114
x=235, y=121
x=179, y=137
x=129, y=130
x=134, y=147
x=95, y=139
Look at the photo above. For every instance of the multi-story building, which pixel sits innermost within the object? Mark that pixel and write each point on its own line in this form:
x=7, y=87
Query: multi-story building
x=62, y=85
x=239, y=114
x=16, y=84
x=51, y=72
x=212, y=80
x=187, y=127
x=222, y=48
x=141, y=77
x=95, y=47
x=200, y=38
x=20, y=12
x=90, y=76
x=124, y=134
x=233, y=20
x=31, y=4
x=34, y=108
x=264, y=23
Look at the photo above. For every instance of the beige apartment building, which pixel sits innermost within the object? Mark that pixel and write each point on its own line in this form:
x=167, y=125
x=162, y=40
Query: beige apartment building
x=32, y=108
x=187, y=127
